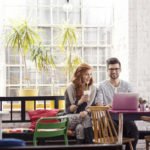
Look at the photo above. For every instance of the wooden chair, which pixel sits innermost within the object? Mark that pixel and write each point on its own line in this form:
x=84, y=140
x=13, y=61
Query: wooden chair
x=51, y=127
x=103, y=126
x=147, y=138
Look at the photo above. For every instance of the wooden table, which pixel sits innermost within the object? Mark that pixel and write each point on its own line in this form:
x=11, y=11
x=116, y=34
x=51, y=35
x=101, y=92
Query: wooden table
x=122, y=115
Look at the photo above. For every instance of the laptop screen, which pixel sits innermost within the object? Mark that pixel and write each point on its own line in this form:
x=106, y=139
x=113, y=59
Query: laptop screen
x=125, y=101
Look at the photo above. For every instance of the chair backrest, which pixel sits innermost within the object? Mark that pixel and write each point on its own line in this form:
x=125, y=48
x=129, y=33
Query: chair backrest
x=103, y=126
x=51, y=127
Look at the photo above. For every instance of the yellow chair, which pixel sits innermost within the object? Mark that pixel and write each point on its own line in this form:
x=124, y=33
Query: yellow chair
x=51, y=127
x=103, y=126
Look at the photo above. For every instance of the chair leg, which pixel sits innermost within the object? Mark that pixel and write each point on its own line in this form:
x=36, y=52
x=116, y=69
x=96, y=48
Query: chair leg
x=66, y=139
x=130, y=145
x=147, y=145
x=34, y=141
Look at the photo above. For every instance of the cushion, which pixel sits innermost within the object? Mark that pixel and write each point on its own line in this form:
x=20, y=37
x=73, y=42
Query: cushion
x=11, y=142
x=17, y=130
x=37, y=114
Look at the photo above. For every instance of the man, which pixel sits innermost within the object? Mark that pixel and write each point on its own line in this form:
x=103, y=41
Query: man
x=106, y=92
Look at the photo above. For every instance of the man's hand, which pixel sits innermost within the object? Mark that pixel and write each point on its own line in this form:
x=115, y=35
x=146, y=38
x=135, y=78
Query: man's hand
x=83, y=99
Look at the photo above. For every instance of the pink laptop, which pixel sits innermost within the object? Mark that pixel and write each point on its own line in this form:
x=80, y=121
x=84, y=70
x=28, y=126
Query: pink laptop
x=125, y=101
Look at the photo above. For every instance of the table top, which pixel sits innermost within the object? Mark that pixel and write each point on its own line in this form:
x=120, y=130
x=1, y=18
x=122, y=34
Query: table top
x=130, y=111
x=129, y=114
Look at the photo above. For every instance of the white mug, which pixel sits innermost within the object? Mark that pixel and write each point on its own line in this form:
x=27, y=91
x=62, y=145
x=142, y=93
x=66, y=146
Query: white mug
x=87, y=92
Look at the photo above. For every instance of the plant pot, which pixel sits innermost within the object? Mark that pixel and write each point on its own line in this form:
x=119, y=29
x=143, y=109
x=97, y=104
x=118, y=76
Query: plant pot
x=28, y=92
x=142, y=107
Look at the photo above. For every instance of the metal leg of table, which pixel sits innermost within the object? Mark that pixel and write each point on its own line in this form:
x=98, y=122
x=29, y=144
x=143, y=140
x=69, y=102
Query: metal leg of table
x=120, y=129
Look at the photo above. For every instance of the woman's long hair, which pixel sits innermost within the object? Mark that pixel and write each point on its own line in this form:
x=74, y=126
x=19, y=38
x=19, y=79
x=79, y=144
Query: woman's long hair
x=78, y=79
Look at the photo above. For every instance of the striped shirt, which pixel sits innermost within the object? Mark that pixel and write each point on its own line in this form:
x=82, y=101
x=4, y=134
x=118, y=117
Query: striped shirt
x=106, y=91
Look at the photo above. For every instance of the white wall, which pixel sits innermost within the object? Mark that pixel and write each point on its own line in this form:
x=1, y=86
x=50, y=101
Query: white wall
x=132, y=42
x=139, y=45
x=120, y=35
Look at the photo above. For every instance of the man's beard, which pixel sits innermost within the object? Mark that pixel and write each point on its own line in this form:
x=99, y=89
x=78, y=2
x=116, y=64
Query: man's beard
x=114, y=76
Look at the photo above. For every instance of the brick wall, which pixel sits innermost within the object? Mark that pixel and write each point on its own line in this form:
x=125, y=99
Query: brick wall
x=120, y=35
x=132, y=42
x=139, y=46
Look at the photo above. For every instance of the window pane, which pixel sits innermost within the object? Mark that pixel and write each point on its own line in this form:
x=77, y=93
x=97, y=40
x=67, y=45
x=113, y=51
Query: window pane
x=45, y=91
x=44, y=16
x=75, y=13
x=60, y=76
x=79, y=36
x=45, y=34
x=59, y=15
x=109, y=36
x=90, y=55
x=90, y=36
x=44, y=2
x=45, y=77
x=95, y=74
x=18, y=13
x=102, y=73
x=30, y=78
x=59, y=56
x=13, y=75
x=12, y=56
x=11, y=91
x=102, y=55
x=58, y=2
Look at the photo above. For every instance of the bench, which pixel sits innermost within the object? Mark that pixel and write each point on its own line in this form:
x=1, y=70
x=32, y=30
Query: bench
x=18, y=116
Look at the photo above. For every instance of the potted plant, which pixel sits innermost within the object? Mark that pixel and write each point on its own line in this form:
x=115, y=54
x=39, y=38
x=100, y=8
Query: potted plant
x=68, y=43
x=142, y=104
x=22, y=37
x=42, y=58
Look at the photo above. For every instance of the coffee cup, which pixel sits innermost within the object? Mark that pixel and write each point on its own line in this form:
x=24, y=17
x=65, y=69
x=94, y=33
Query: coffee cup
x=87, y=93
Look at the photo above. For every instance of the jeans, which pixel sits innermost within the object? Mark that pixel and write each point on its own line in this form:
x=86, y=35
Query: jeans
x=130, y=131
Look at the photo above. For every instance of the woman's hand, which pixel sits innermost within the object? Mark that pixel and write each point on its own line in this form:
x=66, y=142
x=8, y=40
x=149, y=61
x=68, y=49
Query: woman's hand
x=73, y=108
x=83, y=114
x=83, y=99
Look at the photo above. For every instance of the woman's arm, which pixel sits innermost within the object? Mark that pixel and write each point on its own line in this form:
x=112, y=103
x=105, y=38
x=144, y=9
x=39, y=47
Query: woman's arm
x=71, y=107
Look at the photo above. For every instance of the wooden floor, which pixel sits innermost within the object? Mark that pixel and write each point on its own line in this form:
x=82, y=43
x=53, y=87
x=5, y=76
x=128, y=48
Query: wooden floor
x=70, y=147
x=141, y=145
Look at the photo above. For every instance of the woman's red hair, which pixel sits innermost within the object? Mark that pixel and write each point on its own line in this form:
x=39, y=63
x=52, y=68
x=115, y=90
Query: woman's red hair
x=78, y=79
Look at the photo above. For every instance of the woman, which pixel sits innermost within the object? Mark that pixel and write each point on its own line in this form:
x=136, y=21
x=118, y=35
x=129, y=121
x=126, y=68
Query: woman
x=79, y=95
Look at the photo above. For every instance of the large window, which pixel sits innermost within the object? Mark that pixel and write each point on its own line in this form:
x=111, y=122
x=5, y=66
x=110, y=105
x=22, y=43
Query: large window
x=94, y=22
